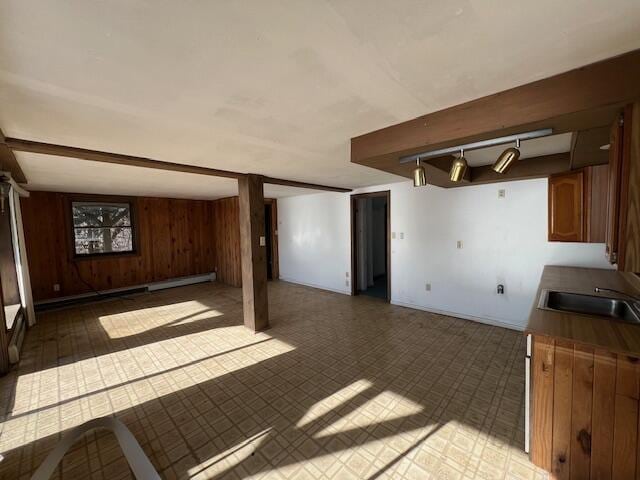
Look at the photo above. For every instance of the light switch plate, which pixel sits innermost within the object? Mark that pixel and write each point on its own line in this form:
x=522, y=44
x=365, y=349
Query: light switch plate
x=401, y=235
x=502, y=193
x=459, y=244
x=393, y=235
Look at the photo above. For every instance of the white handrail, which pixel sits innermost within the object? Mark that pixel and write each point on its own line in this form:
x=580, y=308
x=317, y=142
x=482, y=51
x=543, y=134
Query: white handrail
x=138, y=461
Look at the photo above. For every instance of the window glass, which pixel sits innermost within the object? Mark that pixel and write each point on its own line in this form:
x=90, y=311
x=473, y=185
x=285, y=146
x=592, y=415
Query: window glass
x=102, y=228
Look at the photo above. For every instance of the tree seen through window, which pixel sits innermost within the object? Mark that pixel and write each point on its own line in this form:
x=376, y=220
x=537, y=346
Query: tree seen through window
x=102, y=228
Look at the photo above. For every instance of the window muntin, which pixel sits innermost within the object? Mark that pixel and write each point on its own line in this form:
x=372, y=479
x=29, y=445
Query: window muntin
x=102, y=228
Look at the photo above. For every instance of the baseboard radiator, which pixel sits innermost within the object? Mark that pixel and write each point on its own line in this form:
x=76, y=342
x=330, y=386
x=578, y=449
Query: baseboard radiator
x=117, y=292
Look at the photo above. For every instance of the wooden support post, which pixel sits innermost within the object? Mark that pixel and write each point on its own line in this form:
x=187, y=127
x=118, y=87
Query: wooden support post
x=253, y=252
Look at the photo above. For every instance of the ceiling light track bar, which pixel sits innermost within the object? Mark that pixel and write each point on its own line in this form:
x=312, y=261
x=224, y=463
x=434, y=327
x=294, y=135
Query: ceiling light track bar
x=492, y=142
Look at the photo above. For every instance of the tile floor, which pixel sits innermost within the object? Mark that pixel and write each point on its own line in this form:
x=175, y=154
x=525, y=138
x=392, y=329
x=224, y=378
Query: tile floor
x=339, y=387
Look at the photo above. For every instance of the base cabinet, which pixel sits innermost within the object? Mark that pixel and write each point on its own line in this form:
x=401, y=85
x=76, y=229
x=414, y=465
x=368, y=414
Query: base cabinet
x=584, y=411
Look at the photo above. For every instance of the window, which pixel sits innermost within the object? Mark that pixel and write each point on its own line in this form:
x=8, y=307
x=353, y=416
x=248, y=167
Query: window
x=102, y=228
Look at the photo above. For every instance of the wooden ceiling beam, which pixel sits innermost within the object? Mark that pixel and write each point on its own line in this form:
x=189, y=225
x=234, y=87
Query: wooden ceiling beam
x=580, y=99
x=312, y=186
x=9, y=163
x=31, y=146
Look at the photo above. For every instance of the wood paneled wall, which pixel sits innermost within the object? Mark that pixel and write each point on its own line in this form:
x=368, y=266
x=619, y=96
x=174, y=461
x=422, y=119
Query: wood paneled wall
x=175, y=238
x=226, y=211
x=584, y=420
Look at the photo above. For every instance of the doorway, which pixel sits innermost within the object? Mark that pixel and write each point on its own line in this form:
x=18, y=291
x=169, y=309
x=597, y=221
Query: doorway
x=371, y=244
x=271, y=237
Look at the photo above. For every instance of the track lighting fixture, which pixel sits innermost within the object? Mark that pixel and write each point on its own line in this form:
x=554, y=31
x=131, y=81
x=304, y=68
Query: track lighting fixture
x=492, y=142
x=458, y=168
x=506, y=158
x=419, y=175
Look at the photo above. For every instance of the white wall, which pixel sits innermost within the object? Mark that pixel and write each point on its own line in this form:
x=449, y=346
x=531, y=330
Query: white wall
x=314, y=246
x=504, y=241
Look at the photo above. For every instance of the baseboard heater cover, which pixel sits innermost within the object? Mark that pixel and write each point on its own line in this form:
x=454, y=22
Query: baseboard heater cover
x=181, y=281
x=116, y=292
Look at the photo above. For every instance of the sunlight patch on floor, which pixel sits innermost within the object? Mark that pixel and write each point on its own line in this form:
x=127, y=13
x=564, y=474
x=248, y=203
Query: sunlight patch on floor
x=69, y=395
x=385, y=407
x=331, y=403
x=119, y=325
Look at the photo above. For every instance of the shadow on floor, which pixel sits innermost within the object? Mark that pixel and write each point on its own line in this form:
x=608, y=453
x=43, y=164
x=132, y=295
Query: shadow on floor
x=337, y=383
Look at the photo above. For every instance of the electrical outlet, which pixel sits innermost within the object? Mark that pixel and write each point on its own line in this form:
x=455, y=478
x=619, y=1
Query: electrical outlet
x=401, y=235
x=346, y=282
x=263, y=241
x=427, y=287
x=56, y=287
x=502, y=193
x=346, y=274
x=459, y=244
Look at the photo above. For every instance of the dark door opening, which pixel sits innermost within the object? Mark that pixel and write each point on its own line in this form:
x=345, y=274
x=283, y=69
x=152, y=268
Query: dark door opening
x=267, y=229
x=371, y=245
x=271, y=237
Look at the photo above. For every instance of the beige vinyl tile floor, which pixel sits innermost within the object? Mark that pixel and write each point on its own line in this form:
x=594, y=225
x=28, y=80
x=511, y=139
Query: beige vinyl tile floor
x=338, y=388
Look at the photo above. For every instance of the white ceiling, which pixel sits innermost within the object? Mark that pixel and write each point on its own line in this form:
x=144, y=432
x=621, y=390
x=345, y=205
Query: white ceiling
x=270, y=87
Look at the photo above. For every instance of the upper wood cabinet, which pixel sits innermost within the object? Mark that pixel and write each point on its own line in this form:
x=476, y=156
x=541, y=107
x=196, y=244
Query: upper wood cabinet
x=578, y=205
x=566, y=207
x=616, y=149
x=623, y=224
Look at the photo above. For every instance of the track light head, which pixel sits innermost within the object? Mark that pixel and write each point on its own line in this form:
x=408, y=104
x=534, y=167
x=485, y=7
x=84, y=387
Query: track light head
x=507, y=158
x=419, y=175
x=458, y=168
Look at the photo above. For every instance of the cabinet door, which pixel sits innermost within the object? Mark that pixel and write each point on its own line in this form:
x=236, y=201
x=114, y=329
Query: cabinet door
x=566, y=207
x=613, y=204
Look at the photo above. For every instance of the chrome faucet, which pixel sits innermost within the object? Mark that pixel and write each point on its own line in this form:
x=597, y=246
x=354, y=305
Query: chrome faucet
x=636, y=300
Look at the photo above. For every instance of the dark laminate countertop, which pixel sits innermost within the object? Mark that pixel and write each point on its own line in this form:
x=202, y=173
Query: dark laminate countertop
x=598, y=332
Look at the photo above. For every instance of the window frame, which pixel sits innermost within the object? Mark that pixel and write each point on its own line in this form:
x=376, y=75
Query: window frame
x=131, y=201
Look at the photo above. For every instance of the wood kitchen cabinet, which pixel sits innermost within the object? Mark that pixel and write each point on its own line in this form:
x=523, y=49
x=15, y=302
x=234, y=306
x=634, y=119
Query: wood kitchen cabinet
x=566, y=207
x=623, y=224
x=585, y=410
x=578, y=205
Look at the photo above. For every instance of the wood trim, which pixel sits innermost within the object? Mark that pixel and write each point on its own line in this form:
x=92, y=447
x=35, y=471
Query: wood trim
x=312, y=186
x=80, y=197
x=625, y=173
x=613, y=203
x=354, y=237
x=32, y=146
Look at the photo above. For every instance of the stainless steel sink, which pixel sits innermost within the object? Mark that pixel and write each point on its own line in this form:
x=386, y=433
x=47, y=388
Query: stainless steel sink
x=615, y=308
